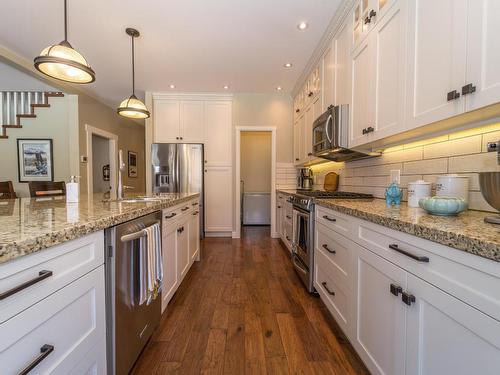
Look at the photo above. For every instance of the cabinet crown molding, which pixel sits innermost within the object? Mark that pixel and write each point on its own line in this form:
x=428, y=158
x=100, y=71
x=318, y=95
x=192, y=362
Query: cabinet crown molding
x=191, y=96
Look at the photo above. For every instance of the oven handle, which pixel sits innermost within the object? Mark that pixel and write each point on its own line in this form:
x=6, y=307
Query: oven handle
x=326, y=128
x=297, y=265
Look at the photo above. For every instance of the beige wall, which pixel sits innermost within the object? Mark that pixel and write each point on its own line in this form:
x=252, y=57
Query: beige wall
x=130, y=137
x=267, y=110
x=59, y=123
x=462, y=152
x=256, y=161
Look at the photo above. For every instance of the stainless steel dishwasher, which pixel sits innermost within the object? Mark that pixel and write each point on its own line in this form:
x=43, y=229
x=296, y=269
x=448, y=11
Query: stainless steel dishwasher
x=129, y=323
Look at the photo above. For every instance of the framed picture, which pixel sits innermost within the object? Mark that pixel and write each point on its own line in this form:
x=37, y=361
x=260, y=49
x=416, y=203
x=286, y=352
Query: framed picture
x=132, y=164
x=35, y=161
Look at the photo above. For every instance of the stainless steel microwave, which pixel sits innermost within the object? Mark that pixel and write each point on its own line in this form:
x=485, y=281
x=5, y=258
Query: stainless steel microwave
x=331, y=133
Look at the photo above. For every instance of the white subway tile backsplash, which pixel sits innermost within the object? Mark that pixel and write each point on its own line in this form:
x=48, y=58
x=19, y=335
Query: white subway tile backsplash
x=377, y=170
x=426, y=166
x=483, y=162
x=461, y=146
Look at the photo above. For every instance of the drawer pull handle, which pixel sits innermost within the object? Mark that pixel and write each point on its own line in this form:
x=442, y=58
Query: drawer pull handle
x=279, y=206
x=412, y=256
x=184, y=209
x=333, y=220
x=288, y=217
x=325, y=246
x=326, y=288
x=408, y=298
x=194, y=204
x=44, y=353
x=170, y=216
x=42, y=275
x=396, y=289
x=195, y=213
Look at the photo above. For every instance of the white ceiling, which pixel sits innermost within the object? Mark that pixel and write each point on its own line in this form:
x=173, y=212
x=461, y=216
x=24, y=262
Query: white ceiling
x=198, y=45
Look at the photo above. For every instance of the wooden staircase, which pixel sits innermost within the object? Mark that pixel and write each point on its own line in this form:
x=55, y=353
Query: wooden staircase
x=14, y=106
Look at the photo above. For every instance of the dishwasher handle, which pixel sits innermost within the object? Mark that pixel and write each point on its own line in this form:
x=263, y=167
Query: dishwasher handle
x=136, y=235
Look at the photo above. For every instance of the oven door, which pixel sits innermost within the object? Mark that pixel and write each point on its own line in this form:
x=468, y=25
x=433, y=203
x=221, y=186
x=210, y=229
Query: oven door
x=301, y=236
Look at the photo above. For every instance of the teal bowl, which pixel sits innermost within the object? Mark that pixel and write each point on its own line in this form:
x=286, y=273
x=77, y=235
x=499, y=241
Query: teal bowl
x=443, y=206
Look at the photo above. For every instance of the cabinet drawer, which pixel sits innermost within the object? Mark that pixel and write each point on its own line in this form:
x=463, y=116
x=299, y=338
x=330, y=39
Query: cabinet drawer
x=333, y=220
x=50, y=270
x=335, y=253
x=335, y=299
x=67, y=324
x=470, y=278
x=172, y=214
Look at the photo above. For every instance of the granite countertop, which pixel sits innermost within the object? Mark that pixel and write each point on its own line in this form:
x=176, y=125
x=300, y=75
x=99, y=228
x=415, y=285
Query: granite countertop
x=28, y=225
x=467, y=231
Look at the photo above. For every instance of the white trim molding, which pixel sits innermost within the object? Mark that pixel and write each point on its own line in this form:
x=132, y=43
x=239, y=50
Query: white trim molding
x=237, y=205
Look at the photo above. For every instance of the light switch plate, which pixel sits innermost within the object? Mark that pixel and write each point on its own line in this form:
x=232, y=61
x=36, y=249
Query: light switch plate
x=396, y=176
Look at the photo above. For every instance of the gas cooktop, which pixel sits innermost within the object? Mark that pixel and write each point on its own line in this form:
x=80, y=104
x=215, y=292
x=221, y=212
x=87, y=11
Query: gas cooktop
x=333, y=194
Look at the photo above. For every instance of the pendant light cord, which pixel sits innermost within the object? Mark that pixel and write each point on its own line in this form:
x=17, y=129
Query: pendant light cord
x=65, y=21
x=133, y=67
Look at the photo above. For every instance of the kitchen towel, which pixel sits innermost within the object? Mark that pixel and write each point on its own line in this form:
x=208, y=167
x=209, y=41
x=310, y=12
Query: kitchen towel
x=154, y=262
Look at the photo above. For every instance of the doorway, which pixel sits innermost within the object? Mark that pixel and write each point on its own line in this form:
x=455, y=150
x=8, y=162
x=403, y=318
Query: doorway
x=255, y=178
x=101, y=161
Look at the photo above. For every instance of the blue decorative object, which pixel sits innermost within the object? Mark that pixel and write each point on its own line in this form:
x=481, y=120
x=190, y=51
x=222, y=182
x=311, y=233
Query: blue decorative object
x=393, y=195
x=443, y=206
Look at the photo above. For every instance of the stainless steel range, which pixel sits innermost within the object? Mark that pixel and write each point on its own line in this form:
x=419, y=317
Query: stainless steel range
x=303, y=229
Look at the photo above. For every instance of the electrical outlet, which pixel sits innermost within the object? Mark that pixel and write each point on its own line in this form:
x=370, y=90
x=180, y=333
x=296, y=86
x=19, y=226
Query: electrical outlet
x=396, y=176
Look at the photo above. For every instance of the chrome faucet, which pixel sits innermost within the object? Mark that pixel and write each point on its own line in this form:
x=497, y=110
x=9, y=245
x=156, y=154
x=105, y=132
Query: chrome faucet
x=121, y=168
x=494, y=146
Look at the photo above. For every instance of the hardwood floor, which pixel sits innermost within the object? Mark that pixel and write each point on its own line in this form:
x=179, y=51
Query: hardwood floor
x=242, y=310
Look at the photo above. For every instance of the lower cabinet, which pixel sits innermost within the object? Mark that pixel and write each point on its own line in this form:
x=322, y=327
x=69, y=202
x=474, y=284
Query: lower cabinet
x=180, y=246
x=218, y=200
x=400, y=317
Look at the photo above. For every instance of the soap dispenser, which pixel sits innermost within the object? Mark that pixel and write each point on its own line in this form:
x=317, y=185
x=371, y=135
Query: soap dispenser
x=72, y=190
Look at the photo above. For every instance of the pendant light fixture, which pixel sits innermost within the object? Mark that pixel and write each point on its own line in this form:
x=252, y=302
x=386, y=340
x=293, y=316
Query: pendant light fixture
x=62, y=62
x=133, y=107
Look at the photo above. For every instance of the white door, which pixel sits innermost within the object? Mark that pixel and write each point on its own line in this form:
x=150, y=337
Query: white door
x=218, y=131
x=363, y=99
x=169, y=258
x=218, y=199
x=342, y=81
x=166, y=119
x=328, y=78
x=447, y=336
x=436, y=60
x=194, y=236
x=483, y=53
x=182, y=242
x=380, y=315
x=192, y=121
x=389, y=40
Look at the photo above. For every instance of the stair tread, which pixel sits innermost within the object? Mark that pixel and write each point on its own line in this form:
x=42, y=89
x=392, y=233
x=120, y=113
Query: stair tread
x=12, y=126
x=29, y=115
x=41, y=105
x=59, y=94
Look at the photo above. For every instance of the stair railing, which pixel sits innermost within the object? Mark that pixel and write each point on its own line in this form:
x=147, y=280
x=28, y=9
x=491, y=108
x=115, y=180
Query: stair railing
x=14, y=103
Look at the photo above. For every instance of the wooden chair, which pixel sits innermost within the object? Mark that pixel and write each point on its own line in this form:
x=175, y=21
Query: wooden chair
x=47, y=188
x=7, y=190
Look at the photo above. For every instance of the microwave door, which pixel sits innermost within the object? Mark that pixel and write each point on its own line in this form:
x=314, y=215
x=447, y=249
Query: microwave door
x=329, y=128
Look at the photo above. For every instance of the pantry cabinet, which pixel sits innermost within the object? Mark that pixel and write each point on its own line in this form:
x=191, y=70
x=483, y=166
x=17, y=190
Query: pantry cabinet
x=218, y=200
x=342, y=44
x=218, y=119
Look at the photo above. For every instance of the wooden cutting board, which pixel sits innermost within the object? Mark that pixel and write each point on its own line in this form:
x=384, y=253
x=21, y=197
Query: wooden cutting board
x=331, y=182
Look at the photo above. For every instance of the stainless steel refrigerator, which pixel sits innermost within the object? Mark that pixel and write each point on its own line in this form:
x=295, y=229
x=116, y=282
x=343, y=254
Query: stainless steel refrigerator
x=178, y=168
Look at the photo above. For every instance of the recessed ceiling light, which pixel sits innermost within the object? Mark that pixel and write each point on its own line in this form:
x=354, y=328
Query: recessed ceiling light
x=302, y=26
x=278, y=88
x=226, y=87
x=287, y=65
x=172, y=86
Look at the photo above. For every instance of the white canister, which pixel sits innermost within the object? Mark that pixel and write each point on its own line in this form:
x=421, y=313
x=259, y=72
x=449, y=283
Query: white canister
x=453, y=185
x=417, y=190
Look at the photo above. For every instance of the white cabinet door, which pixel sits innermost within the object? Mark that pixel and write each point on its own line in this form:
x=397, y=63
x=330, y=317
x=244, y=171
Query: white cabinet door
x=328, y=78
x=447, y=336
x=218, y=132
x=389, y=41
x=380, y=315
x=166, y=121
x=363, y=99
x=436, y=60
x=307, y=131
x=218, y=199
x=342, y=51
x=169, y=258
x=194, y=236
x=192, y=121
x=182, y=246
x=297, y=139
x=483, y=54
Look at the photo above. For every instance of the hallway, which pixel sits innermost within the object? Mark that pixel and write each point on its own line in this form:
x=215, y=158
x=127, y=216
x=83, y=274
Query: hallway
x=242, y=310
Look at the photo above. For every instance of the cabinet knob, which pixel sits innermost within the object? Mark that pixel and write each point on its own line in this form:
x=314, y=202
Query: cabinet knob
x=452, y=95
x=297, y=159
x=310, y=94
x=309, y=154
x=206, y=170
x=297, y=110
x=468, y=89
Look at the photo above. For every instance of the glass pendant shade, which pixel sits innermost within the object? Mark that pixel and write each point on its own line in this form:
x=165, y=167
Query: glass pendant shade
x=62, y=62
x=133, y=108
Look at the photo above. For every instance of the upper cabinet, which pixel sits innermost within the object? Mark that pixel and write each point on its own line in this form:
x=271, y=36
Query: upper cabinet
x=177, y=121
x=218, y=133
